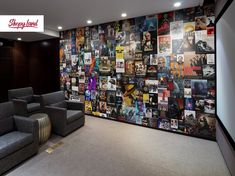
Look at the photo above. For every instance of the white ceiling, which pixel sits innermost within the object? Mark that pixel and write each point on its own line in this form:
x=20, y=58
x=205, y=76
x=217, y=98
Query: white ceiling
x=74, y=13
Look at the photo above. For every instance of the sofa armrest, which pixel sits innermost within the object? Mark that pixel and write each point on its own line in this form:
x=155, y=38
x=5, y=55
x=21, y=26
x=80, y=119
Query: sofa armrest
x=26, y=125
x=58, y=116
x=37, y=98
x=73, y=105
x=20, y=107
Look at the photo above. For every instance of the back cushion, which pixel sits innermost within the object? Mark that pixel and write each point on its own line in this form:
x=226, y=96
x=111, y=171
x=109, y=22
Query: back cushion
x=21, y=92
x=6, y=117
x=28, y=98
x=52, y=98
x=61, y=104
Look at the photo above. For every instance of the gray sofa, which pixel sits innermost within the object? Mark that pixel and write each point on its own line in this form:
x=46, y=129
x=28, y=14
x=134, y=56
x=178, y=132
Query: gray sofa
x=25, y=102
x=18, y=137
x=66, y=116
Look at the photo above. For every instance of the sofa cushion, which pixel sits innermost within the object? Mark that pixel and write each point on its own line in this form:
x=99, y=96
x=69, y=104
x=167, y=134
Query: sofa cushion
x=73, y=115
x=28, y=98
x=14, y=93
x=31, y=107
x=14, y=141
x=61, y=104
x=6, y=125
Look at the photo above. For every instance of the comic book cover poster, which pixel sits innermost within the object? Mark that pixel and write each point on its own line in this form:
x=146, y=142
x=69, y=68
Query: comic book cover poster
x=130, y=67
x=199, y=104
x=153, y=100
x=149, y=42
x=211, y=89
x=119, y=52
x=74, y=82
x=120, y=66
x=140, y=24
x=164, y=44
x=175, y=107
x=204, y=43
x=177, y=66
x=152, y=86
x=80, y=39
x=146, y=98
x=87, y=58
x=163, y=63
x=201, y=23
x=192, y=65
x=174, y=124
x=177, y=30
x=164, y=20
x=111, y=44
x=111, y=112
x=110, y=31
x=135, y=44
x=88, y=107
x=189, y=104
x=152, y=70
x=103, y=106
x=189, y=37
x=87, y=95
x=105, y=66
x=151, y=22
x=111, y=98
x=208, y=71
x=199, y=88
x=129, y=114
x=81, y=88
x=164, y=123
x=177, y=90
x=111, y=83
x=127, y=52
x=206, y=125
x=92, y=81
x=209, y=106
x=93, y=94
x=177, y=46
x=190, y=118
x=187, y=92
x=103, y=82
x=153, y=59
x=163, y=95
x=210, y=59
x=209, y=10
x=140, y=68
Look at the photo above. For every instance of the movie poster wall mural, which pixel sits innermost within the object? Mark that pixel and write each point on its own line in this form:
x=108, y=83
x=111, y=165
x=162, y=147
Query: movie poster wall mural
x=156, y=70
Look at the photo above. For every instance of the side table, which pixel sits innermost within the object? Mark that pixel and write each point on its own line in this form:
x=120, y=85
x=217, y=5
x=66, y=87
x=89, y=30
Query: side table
x=44, y=126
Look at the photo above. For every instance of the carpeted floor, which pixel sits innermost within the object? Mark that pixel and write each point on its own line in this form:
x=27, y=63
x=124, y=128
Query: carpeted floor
x=108, y=148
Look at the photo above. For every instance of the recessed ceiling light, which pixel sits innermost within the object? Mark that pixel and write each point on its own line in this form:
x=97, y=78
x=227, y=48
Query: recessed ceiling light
x=124, y=14
x=60, y=27
x=89, y=21
x=177, y=4
x=19, y=39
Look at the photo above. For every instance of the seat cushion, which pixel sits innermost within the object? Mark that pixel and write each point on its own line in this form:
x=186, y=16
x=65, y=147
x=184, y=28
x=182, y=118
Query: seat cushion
x=33, y=107
x=28, y=98
x=14, y=141
x=73, y=115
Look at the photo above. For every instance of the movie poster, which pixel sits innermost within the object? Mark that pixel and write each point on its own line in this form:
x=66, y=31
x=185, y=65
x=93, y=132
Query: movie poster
x=130, y=67
x=151, y=22
x=204, y=43
x=111, y=98
x=208, y=71
x=209, y=106
x=177, y=46
x=105, y=66
x=164, y=20
x=164, y=44
x=149, y=41
x=140, y=68
x=189, y=37
x=88, y=107
x=199, y=88
x=177, y=30
x=192, y=65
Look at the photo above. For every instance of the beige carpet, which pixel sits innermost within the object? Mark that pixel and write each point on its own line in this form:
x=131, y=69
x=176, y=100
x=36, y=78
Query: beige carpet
x=108, y=148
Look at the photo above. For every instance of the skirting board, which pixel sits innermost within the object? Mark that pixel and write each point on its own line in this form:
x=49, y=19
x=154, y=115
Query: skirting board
x=226, y=148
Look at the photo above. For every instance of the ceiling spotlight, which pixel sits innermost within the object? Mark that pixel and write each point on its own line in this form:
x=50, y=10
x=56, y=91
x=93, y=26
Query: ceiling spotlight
x=89, y=21
x=124, y=14
x=177, y=4
x=60, y=27
x=19, y=39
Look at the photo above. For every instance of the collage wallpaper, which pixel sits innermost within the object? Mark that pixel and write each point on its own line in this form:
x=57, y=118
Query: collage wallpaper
x=156, y=70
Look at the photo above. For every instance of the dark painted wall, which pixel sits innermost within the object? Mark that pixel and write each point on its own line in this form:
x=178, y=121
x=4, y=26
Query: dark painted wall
x=33, y=64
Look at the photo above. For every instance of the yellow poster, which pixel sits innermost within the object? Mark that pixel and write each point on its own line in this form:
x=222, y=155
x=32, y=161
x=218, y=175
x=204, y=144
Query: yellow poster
x=119, y=52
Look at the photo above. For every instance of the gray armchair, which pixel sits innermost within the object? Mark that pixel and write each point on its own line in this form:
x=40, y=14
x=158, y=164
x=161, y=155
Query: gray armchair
x=18, y=137
x=25, y=102
x=66, y=116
